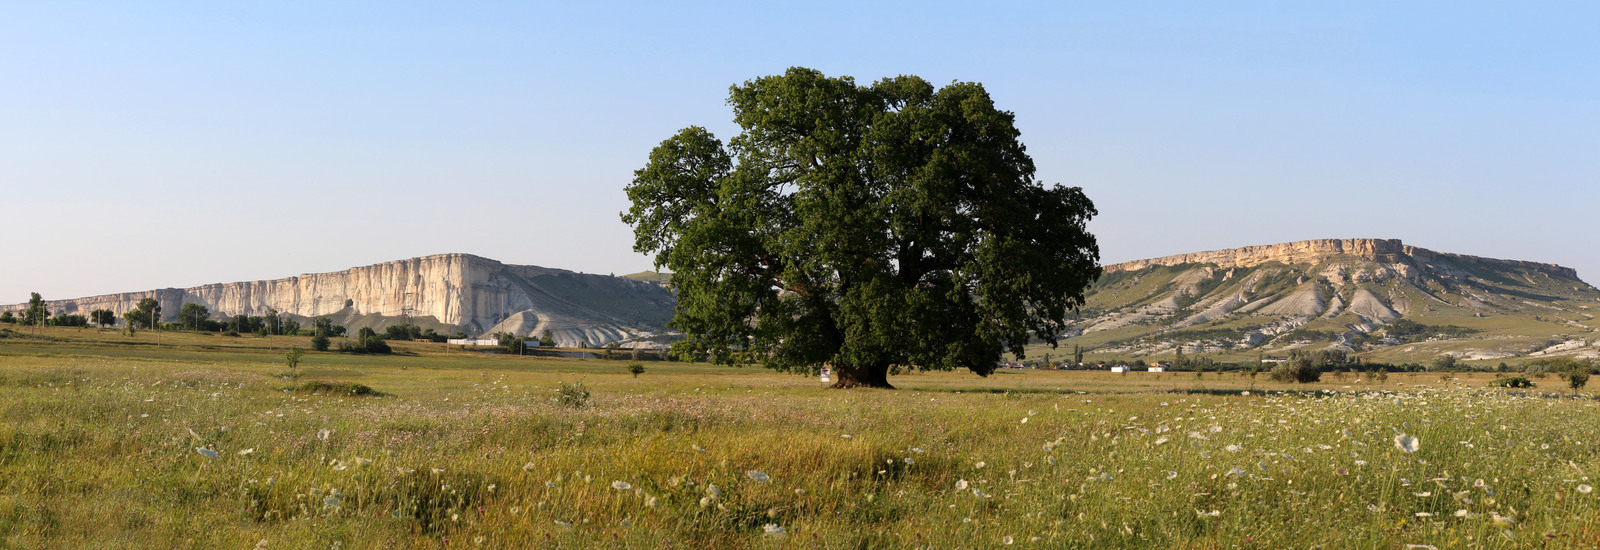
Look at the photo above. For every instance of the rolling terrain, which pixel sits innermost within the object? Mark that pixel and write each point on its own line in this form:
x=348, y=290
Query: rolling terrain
x=1383, y=299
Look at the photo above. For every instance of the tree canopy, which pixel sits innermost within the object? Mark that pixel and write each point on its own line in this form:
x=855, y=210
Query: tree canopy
x=871, y=228
x=37, y=310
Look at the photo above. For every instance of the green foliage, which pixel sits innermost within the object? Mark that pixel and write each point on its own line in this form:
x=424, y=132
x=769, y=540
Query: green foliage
x=319, y=342
x=636, y=368
x=402, y=332
x=193, y=314
x=37, y=312
x=7, y=317
x=574, y=395
x=1444, y=362
x=324, y=326
x=1407, y=330
x=867, y=227
x=368, y=343
x=292, y=359
x=1301, y=370
x=514, y=344
x=351, y=389
x=374, y=344
x=1512, y=382
x=1577, y=376
x=146, y=314
x=69, y=320
x=103, y=317
x=546, y=339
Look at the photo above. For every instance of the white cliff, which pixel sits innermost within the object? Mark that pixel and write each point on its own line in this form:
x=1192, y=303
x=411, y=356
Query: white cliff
x=459, y=291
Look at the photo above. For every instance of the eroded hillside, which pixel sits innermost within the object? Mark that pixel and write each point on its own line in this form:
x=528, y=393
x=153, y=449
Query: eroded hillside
x=1384, y=299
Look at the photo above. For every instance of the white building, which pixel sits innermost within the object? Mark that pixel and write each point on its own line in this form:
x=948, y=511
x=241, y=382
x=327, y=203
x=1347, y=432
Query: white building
x=1119, y=369
x=1158, y=368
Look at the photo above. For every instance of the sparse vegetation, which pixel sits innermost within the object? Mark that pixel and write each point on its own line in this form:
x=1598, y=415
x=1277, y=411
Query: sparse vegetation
x=575, y=395
x=292, y=359
x=351, y=389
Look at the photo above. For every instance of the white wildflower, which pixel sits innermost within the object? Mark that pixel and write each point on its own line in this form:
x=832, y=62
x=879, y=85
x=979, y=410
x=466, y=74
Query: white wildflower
x=621, y=485
x=1406, y=443
x=208, y=453
x=762, y=477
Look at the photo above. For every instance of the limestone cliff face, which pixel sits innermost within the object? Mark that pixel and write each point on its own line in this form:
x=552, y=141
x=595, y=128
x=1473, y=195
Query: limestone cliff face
x=460, y=291
x=1319, y=250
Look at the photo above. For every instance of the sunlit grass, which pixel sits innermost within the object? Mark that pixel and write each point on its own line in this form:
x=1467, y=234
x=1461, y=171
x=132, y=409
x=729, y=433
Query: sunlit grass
x=465, y=450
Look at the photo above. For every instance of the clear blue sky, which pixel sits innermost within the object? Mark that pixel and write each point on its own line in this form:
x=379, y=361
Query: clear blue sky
x=152, y=144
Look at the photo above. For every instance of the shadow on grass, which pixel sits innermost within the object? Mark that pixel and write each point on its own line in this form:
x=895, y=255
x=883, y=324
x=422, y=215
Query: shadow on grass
x=350, y=389
x=997, y=391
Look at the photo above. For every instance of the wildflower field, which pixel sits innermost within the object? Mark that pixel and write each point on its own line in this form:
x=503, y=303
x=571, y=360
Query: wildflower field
x=116, y=442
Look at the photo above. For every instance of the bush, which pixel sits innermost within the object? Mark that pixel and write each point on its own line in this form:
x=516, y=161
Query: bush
x=636, y=368
x=1298, y=370
x=572, y=395
x=319, y=343
x=292, y=358
x=375, y=344
x=338, y=388
x=369, y=344
x=1512, y=382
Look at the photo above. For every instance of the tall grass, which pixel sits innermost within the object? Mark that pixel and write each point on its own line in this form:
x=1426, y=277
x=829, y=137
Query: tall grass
x=100, y=451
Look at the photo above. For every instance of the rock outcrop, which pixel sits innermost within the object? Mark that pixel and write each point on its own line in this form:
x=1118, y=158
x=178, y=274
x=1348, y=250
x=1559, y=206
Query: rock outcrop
x=471, y=294
x=1333, y=294
x=1319, y=250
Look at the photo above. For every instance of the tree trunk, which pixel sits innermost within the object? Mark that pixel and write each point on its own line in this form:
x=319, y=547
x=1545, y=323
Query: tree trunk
x=876, y=376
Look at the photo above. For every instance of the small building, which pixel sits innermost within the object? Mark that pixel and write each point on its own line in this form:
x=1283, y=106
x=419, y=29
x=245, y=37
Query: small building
x=1119, y=368
x=1157, y=368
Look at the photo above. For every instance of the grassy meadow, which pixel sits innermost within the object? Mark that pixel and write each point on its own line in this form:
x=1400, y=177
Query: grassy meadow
x=111, y=441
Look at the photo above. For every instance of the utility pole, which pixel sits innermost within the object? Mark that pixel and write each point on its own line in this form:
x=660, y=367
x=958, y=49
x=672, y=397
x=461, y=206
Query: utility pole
x=406, y=310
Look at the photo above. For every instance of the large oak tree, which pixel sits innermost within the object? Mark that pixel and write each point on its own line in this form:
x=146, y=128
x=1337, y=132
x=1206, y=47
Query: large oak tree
x=870, y=228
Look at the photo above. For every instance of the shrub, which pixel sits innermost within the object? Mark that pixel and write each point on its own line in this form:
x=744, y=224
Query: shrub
x=292, y=358
x=1512, y=382
x=319, y=343
x=572, y=395
x=1577, y=378
x=636, y=368
x=1298, y=370
x=338, y=388
x=374, y=344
